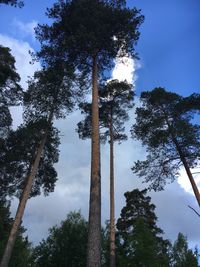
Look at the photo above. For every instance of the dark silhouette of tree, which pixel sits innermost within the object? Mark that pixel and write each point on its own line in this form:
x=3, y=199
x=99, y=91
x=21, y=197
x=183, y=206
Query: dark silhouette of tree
x=37, y=148
x=10, y=91
x=10, y=95
x=115, y=99
x=166, y=127
x=22, y=251
x=139, y=238
x=12, y=3
x=89, y=34
x=66, y=244
x=181, y=255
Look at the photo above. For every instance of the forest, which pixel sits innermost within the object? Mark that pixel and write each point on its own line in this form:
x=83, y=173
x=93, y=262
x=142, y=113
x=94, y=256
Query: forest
x=78, y=49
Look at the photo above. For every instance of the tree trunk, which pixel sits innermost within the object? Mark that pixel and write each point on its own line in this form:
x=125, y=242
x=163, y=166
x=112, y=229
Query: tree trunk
x=22, y=204
x=94, y=232
x=183, y=159
x=112, y=199
x=187, y=168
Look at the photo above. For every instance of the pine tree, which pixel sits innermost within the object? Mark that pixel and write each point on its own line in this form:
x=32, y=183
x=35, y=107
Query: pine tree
x=37, y=148
x=10, y=95
x=139, y=238
x=166, y=127
x=116, y=98
x=10, y=91
x=22, y=251
x=182, y=256
x=90, y=34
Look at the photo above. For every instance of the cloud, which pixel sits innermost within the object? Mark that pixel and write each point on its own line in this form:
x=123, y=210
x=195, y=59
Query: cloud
x=25, y=29
x=184, y=181
x=125, y=69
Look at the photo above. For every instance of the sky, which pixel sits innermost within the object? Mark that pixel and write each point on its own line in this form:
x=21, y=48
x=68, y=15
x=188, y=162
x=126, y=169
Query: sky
x=168, y=49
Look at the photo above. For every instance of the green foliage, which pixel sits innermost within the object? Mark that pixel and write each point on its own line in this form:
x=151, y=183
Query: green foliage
x=115, y=99
x=165, y=124
x=10, y=90
x=20, y=151
x=21, y=252
x=65, y=245
x=51, y=90
x=82, y=29
x=182, y=256
x=139, y=241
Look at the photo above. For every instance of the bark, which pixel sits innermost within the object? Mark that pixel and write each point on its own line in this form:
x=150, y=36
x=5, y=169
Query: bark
x=183, y=159
x=112, y=199
x=187, y=169
x=22, y=203
x=94, y=232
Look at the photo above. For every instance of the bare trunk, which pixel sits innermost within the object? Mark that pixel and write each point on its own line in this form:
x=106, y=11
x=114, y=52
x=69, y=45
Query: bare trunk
x=94, y=234
x=183, y=159
x=187, y=168
x=112, y=199
x=22, y=203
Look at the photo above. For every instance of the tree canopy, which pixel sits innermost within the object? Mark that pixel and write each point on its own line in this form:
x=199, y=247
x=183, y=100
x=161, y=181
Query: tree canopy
x=65, y=245
x=10, y=91
x=140, y=241
x=12, y=3
x=165, y=124
x=83, y=28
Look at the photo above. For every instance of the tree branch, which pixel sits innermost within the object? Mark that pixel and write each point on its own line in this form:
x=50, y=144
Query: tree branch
x=194, y=210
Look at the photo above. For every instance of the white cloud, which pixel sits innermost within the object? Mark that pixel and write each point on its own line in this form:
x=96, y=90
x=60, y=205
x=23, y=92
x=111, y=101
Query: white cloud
x=25, y=29
x=184, y=181
x=125, y=69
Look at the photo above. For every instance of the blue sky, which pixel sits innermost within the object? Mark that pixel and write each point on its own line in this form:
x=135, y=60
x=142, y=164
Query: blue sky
x=168, y=47
x=169, y=57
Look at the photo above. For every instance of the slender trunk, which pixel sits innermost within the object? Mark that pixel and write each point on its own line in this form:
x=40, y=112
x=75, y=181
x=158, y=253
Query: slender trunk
x=183, y=159
x=94, y=234
x=22, y=203
x=112, y=199
x=187, y=169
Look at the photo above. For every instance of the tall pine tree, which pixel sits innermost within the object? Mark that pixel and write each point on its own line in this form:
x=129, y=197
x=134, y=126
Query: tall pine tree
x=166, y=126
x=139, y=238
x=115, y=99
x=89, y=34
x=36, y=149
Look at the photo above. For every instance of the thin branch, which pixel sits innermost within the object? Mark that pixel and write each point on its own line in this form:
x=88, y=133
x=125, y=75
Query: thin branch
x=194, y=210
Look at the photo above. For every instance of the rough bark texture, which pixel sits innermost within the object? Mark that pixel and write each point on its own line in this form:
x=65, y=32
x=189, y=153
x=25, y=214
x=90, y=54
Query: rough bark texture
x=112, y=199
x=22, y=204
x=94, y=234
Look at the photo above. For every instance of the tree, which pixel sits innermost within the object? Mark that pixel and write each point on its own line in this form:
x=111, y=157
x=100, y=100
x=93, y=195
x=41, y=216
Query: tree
x=21, y=252
x=12, y=3
x=38, y=140
x=165, y=125
x=139, y=238
x=182, y=256
x=89, y=35
x=66, y=244
x=10, y=91
x=116, y=98
x=10, y=95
